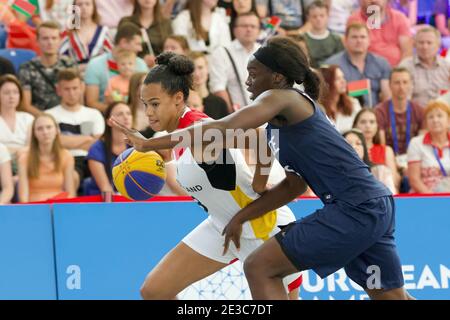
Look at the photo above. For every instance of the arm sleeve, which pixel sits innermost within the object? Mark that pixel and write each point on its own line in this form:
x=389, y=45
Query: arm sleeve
x=218, y=66
x=180, y=24
x=91, y=77
x=386, y=69
x=25, y=76
x=381, y=117
x=97, y=152
x=225, y=39
x=99, y=123
x=108, y=41
x=403, y=26
x=414, y=153
x=339, y=44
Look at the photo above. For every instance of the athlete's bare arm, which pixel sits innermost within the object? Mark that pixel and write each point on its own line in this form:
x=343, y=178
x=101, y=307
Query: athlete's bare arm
x=264, y=161
x=283, y=193
x=268, y=105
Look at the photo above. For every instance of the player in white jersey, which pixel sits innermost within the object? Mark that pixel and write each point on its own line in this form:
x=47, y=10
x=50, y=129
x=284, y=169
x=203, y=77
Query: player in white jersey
x=222, y=188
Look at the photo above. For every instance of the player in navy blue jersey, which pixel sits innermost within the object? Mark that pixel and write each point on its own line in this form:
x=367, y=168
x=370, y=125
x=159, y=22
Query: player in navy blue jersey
x=355, y=228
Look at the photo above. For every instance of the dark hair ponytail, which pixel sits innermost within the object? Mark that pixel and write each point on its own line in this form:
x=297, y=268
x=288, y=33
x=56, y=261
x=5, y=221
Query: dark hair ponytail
x=288, y=59
x=312, y=84
x=173, y=72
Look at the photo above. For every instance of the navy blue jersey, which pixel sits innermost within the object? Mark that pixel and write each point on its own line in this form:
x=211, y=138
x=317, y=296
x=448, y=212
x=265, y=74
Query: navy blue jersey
x=314, y=150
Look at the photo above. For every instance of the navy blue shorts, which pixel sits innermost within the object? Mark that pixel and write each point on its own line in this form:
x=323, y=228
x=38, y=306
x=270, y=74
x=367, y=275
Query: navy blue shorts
x=356, y=238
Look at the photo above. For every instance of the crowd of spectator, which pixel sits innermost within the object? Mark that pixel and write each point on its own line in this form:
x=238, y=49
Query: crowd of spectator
x=87, y=59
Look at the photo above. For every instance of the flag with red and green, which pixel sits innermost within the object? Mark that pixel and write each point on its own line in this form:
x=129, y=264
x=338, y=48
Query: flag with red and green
x=358, y=88
x=26, y=7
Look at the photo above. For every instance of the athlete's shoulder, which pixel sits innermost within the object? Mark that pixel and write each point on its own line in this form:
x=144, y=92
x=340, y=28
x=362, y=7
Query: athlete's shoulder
x=189, y=117
x=285, y=95
x=280, y=99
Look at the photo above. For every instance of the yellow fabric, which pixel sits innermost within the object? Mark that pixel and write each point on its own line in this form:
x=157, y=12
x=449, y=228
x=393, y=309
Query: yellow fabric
x=261, y=226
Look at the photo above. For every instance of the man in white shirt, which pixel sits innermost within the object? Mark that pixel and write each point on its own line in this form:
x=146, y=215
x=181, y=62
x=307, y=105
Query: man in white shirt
x=227, y=80
x=80, y=126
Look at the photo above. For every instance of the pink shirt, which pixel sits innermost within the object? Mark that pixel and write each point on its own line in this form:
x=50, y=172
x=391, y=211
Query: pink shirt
x=385, y=41
x=111, y=11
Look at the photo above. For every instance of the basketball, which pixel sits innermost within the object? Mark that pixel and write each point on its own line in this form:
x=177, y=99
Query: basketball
x=137, y=175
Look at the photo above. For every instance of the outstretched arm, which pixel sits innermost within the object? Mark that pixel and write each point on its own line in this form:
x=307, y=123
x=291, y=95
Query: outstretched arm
x=262, y=110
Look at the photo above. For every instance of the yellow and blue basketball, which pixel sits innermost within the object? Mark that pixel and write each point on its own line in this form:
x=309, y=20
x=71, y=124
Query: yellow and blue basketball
x=138, y=175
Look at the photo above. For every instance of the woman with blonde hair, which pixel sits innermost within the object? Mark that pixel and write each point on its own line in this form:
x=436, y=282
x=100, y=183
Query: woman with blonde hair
x=429, y=154
x=46, y=169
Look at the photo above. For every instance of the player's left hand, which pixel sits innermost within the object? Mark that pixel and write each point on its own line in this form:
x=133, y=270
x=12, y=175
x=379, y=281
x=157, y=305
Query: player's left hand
x=232, y=232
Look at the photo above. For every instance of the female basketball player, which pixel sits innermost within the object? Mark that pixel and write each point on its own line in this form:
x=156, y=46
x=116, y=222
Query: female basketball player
x=354, y=229
x=221, y=187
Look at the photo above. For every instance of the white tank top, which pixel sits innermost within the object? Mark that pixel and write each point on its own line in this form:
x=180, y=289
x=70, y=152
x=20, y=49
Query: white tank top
x=224, y=189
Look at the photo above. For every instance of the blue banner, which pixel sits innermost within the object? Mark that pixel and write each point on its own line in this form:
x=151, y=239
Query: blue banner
x=423, y=239
x=105, y=251
x=27, y=265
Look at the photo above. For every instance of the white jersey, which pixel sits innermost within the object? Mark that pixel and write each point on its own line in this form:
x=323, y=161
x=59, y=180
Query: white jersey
x=224, y=189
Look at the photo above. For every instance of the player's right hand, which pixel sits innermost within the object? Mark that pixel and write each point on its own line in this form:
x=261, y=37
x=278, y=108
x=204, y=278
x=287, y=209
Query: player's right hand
x=133, y=137
x=232, y=232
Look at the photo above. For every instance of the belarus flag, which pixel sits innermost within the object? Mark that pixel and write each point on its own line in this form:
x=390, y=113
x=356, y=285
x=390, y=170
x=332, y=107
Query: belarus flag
x=24, y=7
x=358, y=88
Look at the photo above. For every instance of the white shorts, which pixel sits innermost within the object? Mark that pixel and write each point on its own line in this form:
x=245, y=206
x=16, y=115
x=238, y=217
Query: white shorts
x=207, y=240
